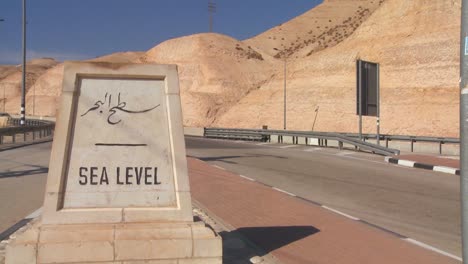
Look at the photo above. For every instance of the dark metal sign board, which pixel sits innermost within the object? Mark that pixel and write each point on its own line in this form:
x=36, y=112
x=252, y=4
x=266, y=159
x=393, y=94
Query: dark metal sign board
x=368, y=84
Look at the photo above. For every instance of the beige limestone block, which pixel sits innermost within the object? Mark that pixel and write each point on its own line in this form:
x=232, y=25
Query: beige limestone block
x=150, y=232
x=76, y=233
x=21, y=254
x=29, y=236
x=153, y=249
x=168, y=261
x=200, y=231
x=207, y=247
x=76, y=252
x=218, y=260
x=183, y=213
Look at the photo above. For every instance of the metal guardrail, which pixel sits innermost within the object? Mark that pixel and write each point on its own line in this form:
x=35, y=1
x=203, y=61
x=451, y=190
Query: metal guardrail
x=412, y=139
x=36, y=129
x=323, y=137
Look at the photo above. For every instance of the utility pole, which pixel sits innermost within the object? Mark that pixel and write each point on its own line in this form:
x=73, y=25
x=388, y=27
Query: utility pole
x=211, y=10
x=464, y=128
x=23, y=86
x=4, y=98
x=284, y=119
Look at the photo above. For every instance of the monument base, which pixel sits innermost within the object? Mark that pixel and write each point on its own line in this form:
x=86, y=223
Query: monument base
x=129, y=243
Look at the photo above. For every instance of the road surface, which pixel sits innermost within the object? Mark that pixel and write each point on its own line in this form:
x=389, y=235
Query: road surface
x=419, y=204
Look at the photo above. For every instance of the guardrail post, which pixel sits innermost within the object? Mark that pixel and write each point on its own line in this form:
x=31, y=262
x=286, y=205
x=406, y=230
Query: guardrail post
x=1, y=139
x=13, y=139
x=326, y=142
x=340, y=145
x=24, y=137
x=412, y=145
x=440, y=147
x=34, y=135
x=386, y=142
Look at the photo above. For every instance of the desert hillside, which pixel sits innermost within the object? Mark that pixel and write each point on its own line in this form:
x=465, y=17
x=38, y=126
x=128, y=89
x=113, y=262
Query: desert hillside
x=230, y=83
x=44, y=98
x=11, y=79
x=417, y=45
x=319, y=28
x=215, y=72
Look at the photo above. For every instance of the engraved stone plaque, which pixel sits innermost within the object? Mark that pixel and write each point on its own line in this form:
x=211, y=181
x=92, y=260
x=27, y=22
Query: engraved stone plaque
x=118, y=152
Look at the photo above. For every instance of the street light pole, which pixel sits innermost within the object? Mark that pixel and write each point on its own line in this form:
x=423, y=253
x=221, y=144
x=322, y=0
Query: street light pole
x=4, y=98
x=284, y=119
x=23, y=86
x=464, y=128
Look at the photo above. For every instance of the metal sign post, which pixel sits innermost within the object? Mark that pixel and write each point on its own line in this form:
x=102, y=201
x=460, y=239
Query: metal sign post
x=360, y=97
x=464, y=128
x=368, y=93
x=378, y=104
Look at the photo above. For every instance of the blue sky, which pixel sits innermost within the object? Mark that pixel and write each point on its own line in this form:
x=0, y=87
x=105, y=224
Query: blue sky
x=81, y=29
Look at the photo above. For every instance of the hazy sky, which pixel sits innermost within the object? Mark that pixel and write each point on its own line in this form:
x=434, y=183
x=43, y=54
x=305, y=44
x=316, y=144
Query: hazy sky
x=81, y=29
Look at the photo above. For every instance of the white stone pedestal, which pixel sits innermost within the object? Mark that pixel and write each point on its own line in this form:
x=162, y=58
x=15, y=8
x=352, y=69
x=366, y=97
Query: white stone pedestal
x=118, y=189
x=156, y=243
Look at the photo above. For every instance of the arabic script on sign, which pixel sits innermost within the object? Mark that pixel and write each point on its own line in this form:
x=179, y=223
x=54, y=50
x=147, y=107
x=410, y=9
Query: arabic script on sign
x=113, y=109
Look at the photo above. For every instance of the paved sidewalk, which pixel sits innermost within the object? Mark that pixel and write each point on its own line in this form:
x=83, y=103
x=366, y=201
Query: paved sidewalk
x=295, y=230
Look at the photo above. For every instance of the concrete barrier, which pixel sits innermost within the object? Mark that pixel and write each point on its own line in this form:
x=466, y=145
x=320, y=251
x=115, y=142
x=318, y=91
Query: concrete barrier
x=194, y=131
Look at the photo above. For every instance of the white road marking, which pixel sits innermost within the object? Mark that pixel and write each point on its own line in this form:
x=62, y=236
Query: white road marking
x=312, y=149
x=344, y=153
x=464, y=91
x=445, y=169
x=283, y=191
x=340, y=213
x=245, y=177
x=219, y=167
x=407, y=163
x=412, y=241
x=34, y=214
x=288, y=146
x=387, y=158
x=356, y=158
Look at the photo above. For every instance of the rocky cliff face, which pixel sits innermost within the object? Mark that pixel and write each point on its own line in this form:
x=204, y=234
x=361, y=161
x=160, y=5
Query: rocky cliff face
x=319, y=28
x=415, y=42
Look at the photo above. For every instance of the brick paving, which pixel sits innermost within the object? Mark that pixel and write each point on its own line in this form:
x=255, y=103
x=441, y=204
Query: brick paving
x=431, y=160
x=296, y=231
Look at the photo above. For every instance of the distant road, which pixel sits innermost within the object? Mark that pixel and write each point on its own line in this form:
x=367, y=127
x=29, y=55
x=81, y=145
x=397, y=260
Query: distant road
x=23, y=174
x=419, y=204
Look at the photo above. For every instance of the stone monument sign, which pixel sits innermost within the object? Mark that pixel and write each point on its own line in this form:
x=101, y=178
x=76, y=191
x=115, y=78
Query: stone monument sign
x=117, y=188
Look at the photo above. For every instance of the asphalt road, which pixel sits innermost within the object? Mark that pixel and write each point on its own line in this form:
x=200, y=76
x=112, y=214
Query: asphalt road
x=23, y=174
x=419, y=204
x=416, y=203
